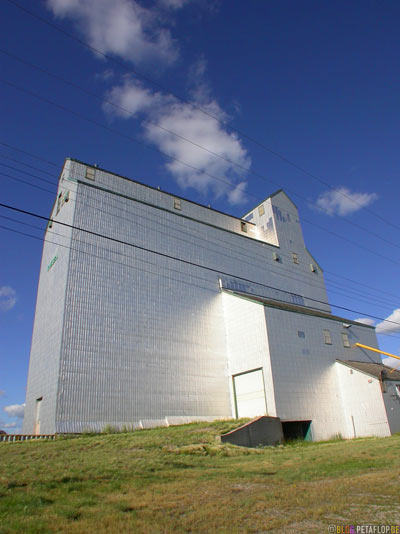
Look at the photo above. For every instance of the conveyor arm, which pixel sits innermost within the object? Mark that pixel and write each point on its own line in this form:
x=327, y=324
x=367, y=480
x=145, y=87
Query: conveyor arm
x=376, y=350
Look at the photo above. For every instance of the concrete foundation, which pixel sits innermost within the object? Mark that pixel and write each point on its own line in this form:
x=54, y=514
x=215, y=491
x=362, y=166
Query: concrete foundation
x=261, y=431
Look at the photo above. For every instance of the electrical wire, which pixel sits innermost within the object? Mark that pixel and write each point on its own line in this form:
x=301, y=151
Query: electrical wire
x=199, y=108
x=186, y=262
x=321, y=286
x=130, y=138
x=42, y=239
x=181, y=137
x=350, y=280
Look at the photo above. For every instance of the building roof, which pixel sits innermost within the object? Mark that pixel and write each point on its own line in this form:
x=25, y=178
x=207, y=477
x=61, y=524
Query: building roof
x=293, y=307
x=159, y=190
x=268, y=197
x=373, y=369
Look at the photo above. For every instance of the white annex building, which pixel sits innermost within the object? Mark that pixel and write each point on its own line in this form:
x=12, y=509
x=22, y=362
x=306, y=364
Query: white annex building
x=154, y=310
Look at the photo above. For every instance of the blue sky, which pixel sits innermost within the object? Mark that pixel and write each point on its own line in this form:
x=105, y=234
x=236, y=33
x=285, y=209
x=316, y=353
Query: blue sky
x=306, y=97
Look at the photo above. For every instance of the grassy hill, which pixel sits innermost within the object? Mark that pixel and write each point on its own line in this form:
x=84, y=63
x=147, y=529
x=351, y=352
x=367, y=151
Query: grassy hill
x=182, y=479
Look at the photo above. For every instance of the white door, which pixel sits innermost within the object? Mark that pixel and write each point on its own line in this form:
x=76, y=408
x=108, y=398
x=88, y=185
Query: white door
x=250, y=394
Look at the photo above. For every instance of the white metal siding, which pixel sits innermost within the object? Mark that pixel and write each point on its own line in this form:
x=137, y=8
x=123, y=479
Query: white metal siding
x=363, y=405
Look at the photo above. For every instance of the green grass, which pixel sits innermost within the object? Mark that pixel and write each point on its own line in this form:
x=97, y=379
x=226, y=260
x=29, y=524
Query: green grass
x=183, y=480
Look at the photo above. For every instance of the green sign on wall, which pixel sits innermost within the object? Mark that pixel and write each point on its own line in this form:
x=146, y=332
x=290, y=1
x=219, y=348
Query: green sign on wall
x=53, y=261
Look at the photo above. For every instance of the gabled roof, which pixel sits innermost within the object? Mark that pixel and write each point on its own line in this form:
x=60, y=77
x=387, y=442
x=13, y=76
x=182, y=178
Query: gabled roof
x=373, y=369
x=314, y=260
x=267, y=198
x=158, y=190
x=286, y=195
x=283, y=305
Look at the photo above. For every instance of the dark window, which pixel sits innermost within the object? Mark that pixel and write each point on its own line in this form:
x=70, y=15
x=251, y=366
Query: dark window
x=346, y=341
x=327, y=337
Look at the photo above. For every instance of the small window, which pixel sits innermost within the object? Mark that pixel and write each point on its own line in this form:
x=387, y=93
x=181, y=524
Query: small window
x=261, y=210
x=243, y=226
x=327, y=337
x=277, y=257
x=346, y=341
x=66, y=196
x=313, y=268
x=177, y=204
x=90, y=173
x=297, y=299
x=301, y=334
x=295, y=257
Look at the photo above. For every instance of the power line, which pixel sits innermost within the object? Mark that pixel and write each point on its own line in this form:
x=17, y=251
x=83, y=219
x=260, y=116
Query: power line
x=27, y=165
x=121, y=134
x=124, y=255
x=35, y=156
x=113, y=130
x=320, y=286
x=141, y=260
x=42, y=239
x=181, y=137
x=187, y=262
x=199, y=108
x=137, y=246
x=120, y=263
x=39, y=158
x=352, y=281
x=360, y=283
x=301, y=278
x=108, y=259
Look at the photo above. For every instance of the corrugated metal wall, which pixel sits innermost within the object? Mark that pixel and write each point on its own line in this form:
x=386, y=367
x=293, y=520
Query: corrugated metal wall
x=143, y=338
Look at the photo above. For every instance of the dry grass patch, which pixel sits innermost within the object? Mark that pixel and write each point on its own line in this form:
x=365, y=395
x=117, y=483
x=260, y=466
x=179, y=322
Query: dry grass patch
x=184, y=480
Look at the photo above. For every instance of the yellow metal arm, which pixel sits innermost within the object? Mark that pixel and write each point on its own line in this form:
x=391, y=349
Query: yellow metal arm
x=376, y=350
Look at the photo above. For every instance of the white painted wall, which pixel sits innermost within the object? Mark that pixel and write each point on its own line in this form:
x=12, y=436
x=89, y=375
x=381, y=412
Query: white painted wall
x=46, y=344
x=126, y=336
x=247, y=343
x=303, y=368
x=362, y=403
x=392, y=403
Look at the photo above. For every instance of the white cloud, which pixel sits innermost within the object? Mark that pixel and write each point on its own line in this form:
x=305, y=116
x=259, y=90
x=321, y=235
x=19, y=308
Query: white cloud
x=390, y=324
x=365, y=320
x=200, y=89
x=8, y=298
x=173, y=4
x=342, y=201
x=391, y=362
x=189, y=123
x=15, y=410
x=10, y=425
x=130, y=98
x=120, y=27
x=237, y=195
x=206, y=133
x=138, y=34
x=105, y=75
